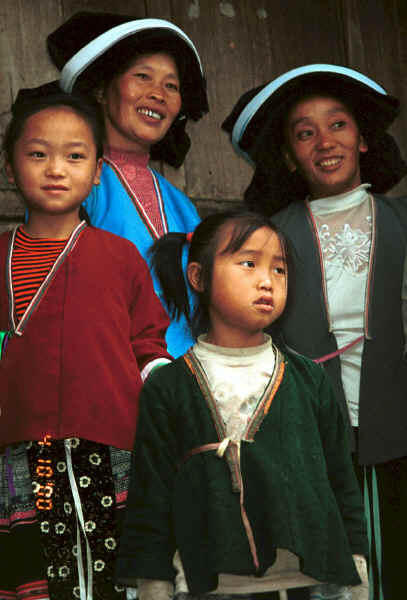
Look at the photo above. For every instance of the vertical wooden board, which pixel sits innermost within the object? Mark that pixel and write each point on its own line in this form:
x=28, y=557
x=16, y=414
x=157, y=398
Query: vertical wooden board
x=373, y=34
x=305, y=32
x=221, y=37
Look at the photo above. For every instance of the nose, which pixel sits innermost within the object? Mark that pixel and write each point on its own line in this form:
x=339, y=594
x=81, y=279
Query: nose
x=157, y=92
x=55, y=167
x=325, y=139
x=265, y=283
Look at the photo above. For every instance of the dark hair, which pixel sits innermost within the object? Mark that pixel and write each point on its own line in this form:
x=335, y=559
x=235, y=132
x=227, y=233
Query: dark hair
x=166, y=259
x=27, y=105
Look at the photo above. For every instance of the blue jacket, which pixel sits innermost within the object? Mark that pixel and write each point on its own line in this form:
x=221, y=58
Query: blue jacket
x=110, y=207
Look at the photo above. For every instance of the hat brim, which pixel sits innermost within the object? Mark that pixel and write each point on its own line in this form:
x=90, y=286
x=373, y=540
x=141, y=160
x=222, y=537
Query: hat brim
x=373, y=110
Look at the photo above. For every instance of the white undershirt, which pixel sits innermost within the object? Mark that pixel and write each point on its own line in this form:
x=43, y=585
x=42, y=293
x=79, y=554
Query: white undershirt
x=344, y=225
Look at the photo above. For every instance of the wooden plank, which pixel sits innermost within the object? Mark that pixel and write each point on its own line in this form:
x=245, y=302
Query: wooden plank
x=374, y=35
x=212, y=171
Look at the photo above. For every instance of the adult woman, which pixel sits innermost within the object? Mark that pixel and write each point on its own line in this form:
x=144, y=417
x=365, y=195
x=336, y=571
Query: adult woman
x=321, y=130
x=147, y=78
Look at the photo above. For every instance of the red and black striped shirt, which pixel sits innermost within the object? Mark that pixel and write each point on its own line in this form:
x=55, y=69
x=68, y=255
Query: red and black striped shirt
x=31, y=262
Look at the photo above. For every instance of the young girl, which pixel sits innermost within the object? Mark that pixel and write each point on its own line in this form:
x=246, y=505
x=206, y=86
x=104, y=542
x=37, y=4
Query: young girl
x=81, y=326
x=242, y=481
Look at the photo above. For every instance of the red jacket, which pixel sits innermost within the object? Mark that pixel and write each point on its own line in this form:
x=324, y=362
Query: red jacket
x=75, y=369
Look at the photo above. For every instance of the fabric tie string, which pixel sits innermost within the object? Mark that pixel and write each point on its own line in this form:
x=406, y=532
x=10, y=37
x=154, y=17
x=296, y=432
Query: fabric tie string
x=85, y=591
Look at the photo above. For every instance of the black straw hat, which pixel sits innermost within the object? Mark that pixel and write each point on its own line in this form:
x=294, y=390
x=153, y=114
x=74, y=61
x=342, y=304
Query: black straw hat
x=257, y=120
x=91, y=48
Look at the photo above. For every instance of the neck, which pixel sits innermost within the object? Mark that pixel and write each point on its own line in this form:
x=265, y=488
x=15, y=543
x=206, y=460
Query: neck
x=50, y=226
x=235, y=339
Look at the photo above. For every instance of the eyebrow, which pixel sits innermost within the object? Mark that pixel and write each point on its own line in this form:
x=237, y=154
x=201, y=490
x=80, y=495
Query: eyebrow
x=73, y=143
x=278, y=257
x=149, y=68
x=331, y=111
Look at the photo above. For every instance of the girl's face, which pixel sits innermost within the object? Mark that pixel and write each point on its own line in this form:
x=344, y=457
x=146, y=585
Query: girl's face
x=323, y=142
x=54, y=163
x=141, y=104
x=249, y=288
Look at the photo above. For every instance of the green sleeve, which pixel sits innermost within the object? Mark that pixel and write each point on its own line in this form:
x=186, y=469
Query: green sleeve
x=148, y=544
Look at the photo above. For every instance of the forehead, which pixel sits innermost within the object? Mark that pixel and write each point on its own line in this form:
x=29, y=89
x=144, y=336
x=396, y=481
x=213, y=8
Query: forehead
x=155, y=60
x=55, y=123
x=263, y=239
x=317, y=105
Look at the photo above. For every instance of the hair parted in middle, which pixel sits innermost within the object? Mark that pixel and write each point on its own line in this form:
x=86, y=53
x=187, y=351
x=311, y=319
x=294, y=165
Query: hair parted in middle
x=167, y=258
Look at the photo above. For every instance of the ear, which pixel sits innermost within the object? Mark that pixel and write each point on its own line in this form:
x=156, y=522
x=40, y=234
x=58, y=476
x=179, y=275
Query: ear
x=194, y=272
x=289, y=162
x=9, y=172
x=363, y=147
x=98, y=171
x=100, y=96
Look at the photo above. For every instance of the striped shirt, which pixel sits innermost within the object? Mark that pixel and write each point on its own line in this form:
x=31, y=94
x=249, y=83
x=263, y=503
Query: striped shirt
x=31, y=262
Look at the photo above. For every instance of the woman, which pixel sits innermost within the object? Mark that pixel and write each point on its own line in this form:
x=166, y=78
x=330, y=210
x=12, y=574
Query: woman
x=317, y=136
x=147, y=78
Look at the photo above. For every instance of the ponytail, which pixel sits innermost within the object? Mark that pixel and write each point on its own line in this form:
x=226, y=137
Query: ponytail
x=166, y=262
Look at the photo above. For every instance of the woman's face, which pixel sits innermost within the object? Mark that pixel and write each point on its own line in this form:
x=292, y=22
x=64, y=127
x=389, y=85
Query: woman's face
x=323, y=142
x=141, y=104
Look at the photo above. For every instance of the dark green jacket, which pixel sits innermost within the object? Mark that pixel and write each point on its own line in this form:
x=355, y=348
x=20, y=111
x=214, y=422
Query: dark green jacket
x=300, y=492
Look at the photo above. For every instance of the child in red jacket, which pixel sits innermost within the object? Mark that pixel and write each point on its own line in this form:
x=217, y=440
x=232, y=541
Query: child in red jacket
x=81, y=328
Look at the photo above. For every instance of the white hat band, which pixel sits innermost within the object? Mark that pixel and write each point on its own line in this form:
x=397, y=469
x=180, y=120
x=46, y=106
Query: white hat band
x=89, y=53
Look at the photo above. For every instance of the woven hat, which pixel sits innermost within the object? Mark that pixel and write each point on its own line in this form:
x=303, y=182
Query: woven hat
x=91, y=48
x=256, y=128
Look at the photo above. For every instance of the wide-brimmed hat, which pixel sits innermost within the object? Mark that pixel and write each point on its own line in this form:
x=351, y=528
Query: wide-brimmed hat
x=91, y=48
x=256, y=126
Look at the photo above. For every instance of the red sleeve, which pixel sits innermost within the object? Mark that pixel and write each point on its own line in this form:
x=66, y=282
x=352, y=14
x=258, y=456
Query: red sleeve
x=149, y=320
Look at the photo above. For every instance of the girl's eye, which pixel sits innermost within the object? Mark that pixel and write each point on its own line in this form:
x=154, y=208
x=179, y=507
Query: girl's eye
x=248, y=263
x=36, y=154
x=76, y=156
x=280, y=270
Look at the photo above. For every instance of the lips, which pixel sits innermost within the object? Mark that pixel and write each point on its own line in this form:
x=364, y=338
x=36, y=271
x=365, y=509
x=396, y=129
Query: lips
x=54, y=188
x=265, y=302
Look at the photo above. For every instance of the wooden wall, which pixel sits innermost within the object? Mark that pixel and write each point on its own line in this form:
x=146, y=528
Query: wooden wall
x=242, y=43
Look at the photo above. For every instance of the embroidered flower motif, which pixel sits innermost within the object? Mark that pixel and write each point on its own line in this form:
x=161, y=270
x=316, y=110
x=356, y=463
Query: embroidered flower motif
x=90, y=526
x=107, y=501
x=36, y=487
x=348, y=248
x=67, y=508
x=110, y=543
x=95, y=459
x=60, y=528
x=61, y=466
x=74, y=442
x=45, y=527
x=77, y=591
x=63, y=571
x=75, y=550
x=99, y=565
x=50, y=571
x=119, y=588
x=84, y=481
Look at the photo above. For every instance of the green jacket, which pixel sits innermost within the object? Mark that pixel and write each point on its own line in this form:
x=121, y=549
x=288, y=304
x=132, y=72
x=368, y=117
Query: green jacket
x=300, y=491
